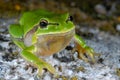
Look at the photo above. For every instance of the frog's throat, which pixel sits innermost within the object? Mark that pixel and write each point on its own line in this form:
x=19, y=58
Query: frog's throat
x=53, y=43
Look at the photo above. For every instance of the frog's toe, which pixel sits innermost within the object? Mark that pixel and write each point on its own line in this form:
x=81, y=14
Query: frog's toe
x=82, y=56
x=86, y=52
x=90, y=52
x=50, y=68
x=44, y=65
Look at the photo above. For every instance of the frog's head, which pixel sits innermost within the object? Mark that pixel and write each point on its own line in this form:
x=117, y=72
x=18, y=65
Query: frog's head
x=45, y=22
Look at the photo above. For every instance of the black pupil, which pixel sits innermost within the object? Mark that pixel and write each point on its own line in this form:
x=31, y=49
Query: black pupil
x=43, y=24
x=70, y=18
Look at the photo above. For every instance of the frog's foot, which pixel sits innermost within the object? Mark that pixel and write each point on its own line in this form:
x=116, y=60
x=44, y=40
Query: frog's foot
x=44, y=65
x=86, y=52
x=37, y=62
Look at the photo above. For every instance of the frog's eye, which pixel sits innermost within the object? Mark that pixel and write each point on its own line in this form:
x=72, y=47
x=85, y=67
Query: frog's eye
x=70, y=18
x=43, y=23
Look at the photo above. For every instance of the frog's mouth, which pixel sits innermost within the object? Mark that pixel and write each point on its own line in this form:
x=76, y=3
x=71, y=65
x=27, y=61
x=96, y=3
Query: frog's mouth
x=65, y=33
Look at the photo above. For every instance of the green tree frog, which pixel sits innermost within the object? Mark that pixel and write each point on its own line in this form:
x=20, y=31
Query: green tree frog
x=43, y=33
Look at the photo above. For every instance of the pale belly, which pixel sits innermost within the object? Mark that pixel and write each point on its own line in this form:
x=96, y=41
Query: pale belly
x=53, y=43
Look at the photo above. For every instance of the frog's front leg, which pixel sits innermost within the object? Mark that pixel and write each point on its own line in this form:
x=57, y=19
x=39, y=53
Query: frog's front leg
x=36, y=61
x=83, y=50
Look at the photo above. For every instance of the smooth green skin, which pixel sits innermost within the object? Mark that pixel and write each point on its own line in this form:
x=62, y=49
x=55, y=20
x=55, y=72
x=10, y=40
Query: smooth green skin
x=31, y=19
